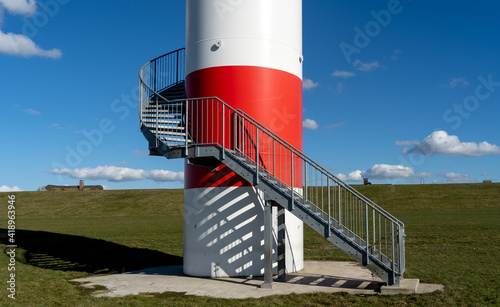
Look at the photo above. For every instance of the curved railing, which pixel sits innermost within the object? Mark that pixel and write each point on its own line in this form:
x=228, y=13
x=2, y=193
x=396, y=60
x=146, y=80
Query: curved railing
x=159, y=74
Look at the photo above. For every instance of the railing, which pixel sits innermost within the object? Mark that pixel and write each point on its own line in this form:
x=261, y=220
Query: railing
x=369, y=226
x=158, y=74
x=210, y=121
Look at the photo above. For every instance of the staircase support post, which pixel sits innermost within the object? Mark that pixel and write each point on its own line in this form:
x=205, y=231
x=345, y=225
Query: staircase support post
x=291, y=179
x=268, y=246
x=329, y=232
x=367, y=228
x=223, y=133
x=257, y=158
x=281, y=244
x=187, y=127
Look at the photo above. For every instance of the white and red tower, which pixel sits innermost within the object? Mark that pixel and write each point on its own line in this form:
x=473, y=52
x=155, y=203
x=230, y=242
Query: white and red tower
x=248, y=53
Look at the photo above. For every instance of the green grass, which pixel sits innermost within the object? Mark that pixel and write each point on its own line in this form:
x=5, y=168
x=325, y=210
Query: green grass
x=453, y=238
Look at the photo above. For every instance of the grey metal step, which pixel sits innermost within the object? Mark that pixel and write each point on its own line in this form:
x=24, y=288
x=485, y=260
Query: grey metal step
x=164, y=128
x=169, y=133
x=161, y=115
x=165, y=107
x=173, y=139
x=153, y=120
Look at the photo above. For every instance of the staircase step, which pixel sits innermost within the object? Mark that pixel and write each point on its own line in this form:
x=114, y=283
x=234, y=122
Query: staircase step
x=175, y=129
x=272, y=181
x=169, y=133
x=150, y=120
x=161, y=115
x=241, y=158
x=162, y=107
x=172, y=139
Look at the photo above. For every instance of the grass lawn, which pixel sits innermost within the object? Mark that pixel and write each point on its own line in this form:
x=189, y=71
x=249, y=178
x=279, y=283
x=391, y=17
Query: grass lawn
x=453, y=238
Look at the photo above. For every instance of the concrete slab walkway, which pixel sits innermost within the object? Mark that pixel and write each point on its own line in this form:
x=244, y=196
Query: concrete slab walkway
x=317, y=276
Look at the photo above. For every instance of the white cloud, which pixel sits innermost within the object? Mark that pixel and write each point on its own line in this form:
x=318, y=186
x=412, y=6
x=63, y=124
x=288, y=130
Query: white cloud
x=20, y=7
x=164, y=176
x=382, y=171
x=21, y=45
x=119, y=174
x=333, y=126
x=340, y=87
x=439, y=142
x=366, y=66
x=353, y=176
x=308, y=84
x=31, y=112
x=309, y=124
x=18, y=44
x=386, y=171
x=455, y=178
x=407, y=143
x=343, y=74
x=456, y=81
x=5, y=188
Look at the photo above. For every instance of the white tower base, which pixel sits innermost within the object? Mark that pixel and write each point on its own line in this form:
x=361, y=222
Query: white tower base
x=224, y=233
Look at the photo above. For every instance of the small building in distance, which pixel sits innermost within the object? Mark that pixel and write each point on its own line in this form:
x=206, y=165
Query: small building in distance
x=80, y=187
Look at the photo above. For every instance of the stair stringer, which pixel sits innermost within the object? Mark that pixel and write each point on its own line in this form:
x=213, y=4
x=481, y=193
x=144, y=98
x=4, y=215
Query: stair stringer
x=309, y=214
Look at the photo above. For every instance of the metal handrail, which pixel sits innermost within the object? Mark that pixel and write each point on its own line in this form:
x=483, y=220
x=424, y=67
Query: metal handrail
x=160, y=80
x=345, y=208
x=312, y=162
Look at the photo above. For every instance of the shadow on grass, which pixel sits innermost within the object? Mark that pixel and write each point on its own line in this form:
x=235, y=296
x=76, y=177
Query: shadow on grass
x=76, y=253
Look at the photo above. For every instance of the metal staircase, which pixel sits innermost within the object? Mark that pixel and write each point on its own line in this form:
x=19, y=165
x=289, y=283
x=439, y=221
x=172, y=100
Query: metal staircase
x=176, y=128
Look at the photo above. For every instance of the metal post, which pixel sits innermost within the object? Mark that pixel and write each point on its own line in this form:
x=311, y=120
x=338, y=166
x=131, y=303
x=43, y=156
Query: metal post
x=154, y=77
x=401, y=250
x=274, y=159
x=328, y=204
x=340, y=206
x=140, y=94
x=178, y=66
x=156, y=128
x=374, y=243
x=257, y=157
x=235, y=131
x=305, y=180
x=223, y=134
x=393, y=273
x=268, y=246
x=291, y=178
x=367, y=235
x=281, y=244
x=187, y=127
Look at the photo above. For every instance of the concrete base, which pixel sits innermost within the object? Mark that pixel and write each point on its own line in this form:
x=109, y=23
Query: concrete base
x=267, y=286
x=406, y=286
x=317, y=276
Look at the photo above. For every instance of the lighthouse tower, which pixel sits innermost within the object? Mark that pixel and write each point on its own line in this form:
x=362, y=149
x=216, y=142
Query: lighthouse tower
x=247, y=53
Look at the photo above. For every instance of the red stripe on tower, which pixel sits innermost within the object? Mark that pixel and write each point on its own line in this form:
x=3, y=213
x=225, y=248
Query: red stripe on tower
x=248, y=54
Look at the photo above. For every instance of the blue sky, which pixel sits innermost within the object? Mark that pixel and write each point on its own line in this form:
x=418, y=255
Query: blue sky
x=395, y=91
